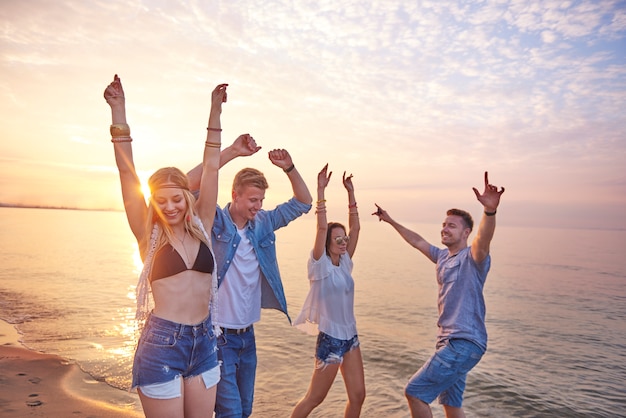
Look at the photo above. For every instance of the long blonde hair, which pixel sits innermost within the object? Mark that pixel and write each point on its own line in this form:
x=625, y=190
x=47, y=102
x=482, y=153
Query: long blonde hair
x=170, y=177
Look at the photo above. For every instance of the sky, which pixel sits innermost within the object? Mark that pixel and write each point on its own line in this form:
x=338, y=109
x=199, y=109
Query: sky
x=417, y=99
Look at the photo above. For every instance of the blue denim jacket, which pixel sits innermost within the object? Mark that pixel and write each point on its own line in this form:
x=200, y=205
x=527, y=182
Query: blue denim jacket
x=260, y=232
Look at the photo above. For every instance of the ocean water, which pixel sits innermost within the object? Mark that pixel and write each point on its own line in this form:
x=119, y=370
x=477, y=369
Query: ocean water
x=556, y=313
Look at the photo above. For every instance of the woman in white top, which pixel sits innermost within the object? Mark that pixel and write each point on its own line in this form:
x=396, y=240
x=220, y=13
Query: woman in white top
x=328, y=310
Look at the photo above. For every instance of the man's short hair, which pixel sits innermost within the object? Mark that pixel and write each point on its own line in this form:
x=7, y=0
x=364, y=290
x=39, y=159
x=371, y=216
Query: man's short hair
x=249, y=177
x=467, y=218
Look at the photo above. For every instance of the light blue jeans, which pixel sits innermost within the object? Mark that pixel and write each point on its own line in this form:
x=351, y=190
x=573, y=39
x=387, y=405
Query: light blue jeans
x=235, y=390
x=444, y=374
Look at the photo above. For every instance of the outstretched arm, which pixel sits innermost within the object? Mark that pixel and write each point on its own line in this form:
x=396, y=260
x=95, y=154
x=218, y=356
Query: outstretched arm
x=207, y=199
x=281, y=158
x=134, y=203
x=243, y=146
x=413, y=238
x=323, y=177
x=354, y=225
x=490, y=199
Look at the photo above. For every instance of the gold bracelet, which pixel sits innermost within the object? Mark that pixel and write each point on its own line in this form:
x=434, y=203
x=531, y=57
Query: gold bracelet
x=321, y=201
x=121, y=139
x=119, y=130
x=213, y=144
x=320, y=211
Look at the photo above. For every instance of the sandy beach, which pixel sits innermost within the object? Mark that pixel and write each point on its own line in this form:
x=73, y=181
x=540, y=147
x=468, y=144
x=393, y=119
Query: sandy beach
x=34, y=384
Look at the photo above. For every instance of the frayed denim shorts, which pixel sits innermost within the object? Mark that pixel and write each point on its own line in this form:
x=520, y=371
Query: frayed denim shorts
x=330, y=350
x=168, y=351
x=444, y=374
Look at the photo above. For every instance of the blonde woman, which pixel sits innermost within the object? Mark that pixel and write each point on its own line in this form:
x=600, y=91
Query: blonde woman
x=175, y=367
x=328, y=310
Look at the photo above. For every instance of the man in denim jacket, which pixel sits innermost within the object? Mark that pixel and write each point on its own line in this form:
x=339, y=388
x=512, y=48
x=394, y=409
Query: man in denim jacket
x=244, y=244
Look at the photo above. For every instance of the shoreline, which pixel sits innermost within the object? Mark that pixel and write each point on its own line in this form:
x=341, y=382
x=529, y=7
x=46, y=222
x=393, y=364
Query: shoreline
x=38, y=384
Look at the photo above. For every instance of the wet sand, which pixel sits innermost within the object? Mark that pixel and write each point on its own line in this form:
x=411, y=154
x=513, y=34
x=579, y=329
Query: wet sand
x=34, y=384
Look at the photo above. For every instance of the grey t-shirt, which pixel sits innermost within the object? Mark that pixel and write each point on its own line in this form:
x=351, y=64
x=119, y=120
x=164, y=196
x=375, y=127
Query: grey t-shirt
x=460, y=301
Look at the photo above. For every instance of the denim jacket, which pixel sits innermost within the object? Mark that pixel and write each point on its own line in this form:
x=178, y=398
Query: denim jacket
x=260, y=232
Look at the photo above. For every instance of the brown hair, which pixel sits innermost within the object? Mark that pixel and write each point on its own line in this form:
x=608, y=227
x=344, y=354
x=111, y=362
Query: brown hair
x=329, y=231
x=467, y=218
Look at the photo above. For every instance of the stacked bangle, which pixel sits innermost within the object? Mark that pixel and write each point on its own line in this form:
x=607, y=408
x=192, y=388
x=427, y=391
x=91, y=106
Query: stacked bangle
x=116, y=139
x=212, y=144
x=120, y=130
x=288, y=169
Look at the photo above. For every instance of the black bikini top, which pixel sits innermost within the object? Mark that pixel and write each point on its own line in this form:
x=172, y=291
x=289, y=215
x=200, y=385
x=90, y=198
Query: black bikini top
x=167, y=262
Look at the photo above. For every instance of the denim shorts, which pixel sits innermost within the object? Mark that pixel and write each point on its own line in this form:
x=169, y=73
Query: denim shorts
x=330, y=350
x=444, y=374
x=168, y=351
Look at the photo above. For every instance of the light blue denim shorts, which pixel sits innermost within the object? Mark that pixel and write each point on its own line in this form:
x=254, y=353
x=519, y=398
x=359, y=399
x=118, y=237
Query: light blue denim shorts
x=444, y=374
x=168, y=351
x=330, y=350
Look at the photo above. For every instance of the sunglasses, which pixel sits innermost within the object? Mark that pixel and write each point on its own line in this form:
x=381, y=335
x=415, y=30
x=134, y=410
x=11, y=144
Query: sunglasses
x=341, y=240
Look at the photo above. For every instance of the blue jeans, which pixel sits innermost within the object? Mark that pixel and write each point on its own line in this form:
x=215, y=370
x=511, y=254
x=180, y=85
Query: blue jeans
x=444, y=374
x=235, y=390
x=168, y=350
x=330, y=350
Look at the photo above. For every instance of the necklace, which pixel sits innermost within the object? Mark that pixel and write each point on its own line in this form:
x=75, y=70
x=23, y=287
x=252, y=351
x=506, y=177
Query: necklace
x=187, y=258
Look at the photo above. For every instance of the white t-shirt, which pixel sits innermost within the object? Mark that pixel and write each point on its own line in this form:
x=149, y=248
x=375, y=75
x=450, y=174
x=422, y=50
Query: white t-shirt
x=240, y=292
x=329, y=306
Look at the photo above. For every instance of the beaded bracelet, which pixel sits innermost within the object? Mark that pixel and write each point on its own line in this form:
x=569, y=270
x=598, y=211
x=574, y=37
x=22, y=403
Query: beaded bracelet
x=214, y=129
x=121, y=139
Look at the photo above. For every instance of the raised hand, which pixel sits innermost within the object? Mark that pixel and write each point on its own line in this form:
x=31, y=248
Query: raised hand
x=382, y=214
x=323, y=177
x=347, y=182
x=114, y=93
x=245, y=145
x=218, y=96
x=280, y=158
x=490, y=198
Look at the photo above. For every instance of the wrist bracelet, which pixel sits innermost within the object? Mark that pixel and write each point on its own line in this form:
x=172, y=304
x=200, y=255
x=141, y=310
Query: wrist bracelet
x=353, y=205
x=288, y=169
x=214, y=129
x=119, y=130
x=213, y=144
x=490, y=213
x=121, y=139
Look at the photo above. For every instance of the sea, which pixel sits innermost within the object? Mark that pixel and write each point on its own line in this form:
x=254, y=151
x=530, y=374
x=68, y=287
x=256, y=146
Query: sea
x=556, y=313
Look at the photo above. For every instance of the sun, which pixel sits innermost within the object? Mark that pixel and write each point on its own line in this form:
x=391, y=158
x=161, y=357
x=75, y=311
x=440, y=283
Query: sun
x=143, y=180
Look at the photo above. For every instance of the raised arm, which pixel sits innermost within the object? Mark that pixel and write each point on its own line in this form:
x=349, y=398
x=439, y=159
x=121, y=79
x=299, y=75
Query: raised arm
x=490, y=199
x=282, y=159
x=413, y=238
x=243, y=146
x=207, y=199
x=134, y=202
x=354, y=225
x=323, y=177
